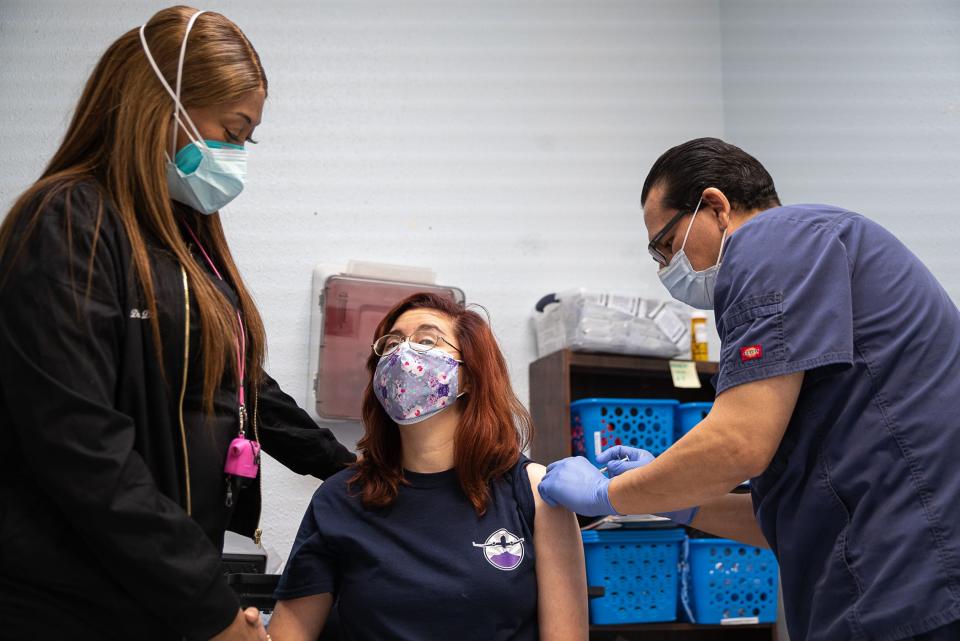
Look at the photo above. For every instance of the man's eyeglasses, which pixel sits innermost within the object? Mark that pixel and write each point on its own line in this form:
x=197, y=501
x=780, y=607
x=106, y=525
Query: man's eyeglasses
x=653, y=247
x=420, y=341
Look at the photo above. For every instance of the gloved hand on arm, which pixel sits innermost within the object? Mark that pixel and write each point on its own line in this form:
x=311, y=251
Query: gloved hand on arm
x=578, y=486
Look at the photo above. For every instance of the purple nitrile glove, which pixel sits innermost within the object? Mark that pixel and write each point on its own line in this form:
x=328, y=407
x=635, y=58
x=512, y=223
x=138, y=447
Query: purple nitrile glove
x=578, y=486
x=616, y=465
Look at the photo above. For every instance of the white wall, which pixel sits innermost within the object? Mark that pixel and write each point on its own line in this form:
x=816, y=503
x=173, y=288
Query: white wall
x=855, y=103
x=502, y=143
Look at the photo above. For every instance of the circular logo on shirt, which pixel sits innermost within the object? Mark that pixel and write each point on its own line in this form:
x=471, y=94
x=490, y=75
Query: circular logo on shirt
x=502, y=549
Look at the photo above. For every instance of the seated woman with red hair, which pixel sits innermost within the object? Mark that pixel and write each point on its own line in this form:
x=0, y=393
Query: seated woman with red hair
x=438, y=531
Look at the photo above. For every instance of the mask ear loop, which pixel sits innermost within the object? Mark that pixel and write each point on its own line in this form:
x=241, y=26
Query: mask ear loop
x=178, y=107
x=723, y=239
x=175, y=95
x=690, y=226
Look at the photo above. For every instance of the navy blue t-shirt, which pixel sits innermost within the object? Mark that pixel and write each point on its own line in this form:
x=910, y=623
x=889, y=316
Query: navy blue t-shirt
x=861, y=502
x=424, y=568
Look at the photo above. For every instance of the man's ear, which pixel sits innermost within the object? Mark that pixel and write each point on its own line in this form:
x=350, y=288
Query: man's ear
x=716, y=202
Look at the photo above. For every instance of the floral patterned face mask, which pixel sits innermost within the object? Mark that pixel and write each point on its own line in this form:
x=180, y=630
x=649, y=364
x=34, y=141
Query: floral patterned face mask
x=413, y=386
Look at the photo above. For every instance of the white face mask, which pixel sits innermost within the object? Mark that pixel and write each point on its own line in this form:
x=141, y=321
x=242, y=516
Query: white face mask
x=219, y=176
x=685, y=283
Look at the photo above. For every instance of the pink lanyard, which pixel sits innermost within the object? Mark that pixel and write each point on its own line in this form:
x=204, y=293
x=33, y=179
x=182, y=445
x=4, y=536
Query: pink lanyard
x=242, y=340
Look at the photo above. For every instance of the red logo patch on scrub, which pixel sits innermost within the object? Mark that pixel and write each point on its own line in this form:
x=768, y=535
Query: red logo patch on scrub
x=751, y=353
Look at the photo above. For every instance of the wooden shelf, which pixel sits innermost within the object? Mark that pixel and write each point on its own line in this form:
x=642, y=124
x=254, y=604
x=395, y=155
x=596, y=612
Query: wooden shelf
x=617, y=362
x=565, y=376
x=680, y=631
x=675, y=625
x=558, y=379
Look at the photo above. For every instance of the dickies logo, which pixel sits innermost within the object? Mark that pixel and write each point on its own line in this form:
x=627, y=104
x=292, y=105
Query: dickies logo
x=751, y=353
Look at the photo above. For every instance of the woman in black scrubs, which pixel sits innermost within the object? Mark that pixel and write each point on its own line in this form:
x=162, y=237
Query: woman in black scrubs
x=131, y=354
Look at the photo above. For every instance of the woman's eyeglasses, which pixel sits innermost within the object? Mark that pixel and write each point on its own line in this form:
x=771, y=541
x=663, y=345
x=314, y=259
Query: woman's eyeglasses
x=420, y=341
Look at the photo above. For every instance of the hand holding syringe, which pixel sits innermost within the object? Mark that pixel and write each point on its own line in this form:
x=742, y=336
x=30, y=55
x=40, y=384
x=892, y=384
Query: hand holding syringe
x=603, y=470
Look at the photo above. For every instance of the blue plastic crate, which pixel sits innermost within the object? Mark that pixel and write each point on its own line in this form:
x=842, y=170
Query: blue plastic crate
x=599, y=423
x=689, y=414
x=727, y=580
x=639, y=571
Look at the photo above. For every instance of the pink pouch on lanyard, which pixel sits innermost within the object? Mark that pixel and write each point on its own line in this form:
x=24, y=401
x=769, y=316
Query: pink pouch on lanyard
x=243, y=458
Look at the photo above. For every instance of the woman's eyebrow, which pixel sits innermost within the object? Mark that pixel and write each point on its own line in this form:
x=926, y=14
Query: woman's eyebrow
x=396, y=330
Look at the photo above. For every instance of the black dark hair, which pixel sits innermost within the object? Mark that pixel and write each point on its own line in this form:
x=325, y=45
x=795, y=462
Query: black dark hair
x=687, y=169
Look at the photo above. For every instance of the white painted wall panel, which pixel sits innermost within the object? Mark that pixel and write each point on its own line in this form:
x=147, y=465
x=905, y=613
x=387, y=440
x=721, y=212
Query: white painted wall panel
x=854, y=103
x=502, y=143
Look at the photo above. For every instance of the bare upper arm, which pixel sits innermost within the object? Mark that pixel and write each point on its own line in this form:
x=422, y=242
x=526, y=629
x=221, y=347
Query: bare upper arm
x=535, y=473
x=556, y=521
x=561, y=577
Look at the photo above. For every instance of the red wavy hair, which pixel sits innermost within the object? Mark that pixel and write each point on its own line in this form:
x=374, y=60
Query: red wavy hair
x=494, y=425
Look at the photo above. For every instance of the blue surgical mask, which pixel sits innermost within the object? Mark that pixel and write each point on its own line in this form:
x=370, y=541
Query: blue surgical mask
x=687, y=285
x=205, y=174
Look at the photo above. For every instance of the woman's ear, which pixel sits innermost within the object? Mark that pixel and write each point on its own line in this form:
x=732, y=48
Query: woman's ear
x=463, y=378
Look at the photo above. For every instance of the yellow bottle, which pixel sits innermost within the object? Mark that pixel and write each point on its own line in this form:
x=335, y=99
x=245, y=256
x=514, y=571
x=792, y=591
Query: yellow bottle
x=698, y=337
